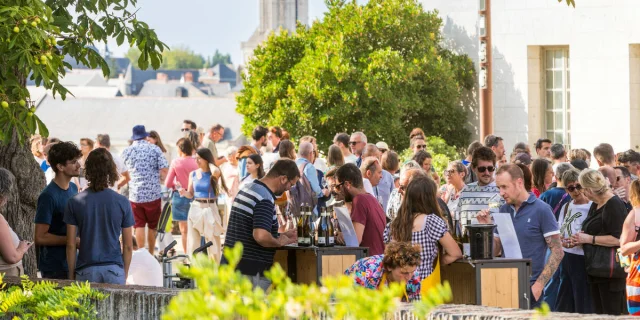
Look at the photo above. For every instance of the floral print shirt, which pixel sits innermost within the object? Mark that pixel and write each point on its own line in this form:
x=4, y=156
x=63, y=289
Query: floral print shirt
x=368, y=273
x=144, y=160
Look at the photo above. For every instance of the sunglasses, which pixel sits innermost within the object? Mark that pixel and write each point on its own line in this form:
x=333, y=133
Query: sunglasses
x=185, y=129
x=483, y=169
x=574, y=188
x=339, y=185
x=353, y=143
x=421, y=146
x=449, y=172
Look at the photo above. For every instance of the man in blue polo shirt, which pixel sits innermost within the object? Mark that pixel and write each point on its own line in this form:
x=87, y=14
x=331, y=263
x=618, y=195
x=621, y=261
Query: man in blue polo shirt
x=535, y=227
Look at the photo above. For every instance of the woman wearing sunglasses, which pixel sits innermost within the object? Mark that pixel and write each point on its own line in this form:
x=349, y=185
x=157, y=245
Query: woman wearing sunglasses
x=573, y=292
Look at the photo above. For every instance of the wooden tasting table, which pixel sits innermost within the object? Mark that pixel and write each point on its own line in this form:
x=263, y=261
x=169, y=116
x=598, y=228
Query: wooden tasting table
x=498, y=282
x=309, y=264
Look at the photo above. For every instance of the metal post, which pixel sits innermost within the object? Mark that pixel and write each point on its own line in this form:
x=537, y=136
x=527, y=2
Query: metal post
x=486, y=77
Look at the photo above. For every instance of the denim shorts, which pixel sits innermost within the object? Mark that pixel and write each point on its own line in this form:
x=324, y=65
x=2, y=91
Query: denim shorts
x=180, y=207
x=112, y=273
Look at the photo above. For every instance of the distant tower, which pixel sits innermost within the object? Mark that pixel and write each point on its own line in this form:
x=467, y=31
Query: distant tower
x=273, y=15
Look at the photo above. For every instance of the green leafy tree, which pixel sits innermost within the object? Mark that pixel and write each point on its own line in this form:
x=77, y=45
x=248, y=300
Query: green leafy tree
x=220, y=58
x=133, y=54
x=378, y=68
x=35, y=35
x=182, y=58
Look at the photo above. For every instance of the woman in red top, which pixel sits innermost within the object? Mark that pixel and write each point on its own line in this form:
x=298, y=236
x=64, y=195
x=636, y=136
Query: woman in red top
x=177, y=179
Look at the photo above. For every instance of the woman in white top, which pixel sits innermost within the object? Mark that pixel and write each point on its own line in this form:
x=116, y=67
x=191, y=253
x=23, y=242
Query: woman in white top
x=450, y=192
x=11, y=248
x=254, y=168
x=573, y=295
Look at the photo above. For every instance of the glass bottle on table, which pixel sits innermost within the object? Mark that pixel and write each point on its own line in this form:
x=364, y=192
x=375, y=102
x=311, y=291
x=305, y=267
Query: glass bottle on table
x=306, y=227
x=300, y=227
x=323, y=228
x=331, y=240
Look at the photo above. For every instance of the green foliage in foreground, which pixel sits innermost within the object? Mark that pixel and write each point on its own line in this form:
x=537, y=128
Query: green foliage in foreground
x=224, y=293
x=44, y=300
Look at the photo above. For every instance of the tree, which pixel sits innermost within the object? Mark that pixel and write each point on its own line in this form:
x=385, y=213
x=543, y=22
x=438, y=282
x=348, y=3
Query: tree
x=220, y=58
x=133, y=54
x=182, y=58
x=378, y=68
x=35, y=36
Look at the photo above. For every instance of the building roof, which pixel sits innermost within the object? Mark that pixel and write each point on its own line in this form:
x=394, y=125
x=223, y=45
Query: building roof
x=87, y=117
x=155, y=88
x=39, y=93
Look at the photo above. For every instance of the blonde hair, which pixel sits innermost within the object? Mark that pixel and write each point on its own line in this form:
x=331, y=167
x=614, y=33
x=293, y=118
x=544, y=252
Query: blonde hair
x=634, y=193
x=578, y=154
x=594, y=180
x=35, y=149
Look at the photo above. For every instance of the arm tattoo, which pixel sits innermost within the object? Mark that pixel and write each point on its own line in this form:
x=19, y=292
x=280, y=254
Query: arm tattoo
x=554, y=243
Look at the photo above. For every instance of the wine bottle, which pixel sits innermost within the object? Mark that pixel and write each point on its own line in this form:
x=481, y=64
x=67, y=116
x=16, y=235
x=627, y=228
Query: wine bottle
x=331, y=240
x=466, y=242
x=300, y=219
x=323, y=228
x=306, y=228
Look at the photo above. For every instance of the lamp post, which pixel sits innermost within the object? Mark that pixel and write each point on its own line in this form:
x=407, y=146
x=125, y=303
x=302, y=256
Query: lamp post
x=486, y=78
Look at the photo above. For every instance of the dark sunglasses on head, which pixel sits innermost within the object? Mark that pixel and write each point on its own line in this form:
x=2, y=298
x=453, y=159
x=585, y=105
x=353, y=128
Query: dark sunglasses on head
x=574, y=188
x=483, y=169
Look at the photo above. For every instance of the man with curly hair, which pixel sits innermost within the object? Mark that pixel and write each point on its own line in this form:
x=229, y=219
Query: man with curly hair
x=51, y=231
x=99, y=215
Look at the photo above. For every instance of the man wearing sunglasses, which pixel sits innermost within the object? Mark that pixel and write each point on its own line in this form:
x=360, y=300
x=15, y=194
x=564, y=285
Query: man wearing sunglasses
x=630, y=159
x=418, y=143
x=188, y=125
x=475, y=196
x=357, y=143
x=622, y=185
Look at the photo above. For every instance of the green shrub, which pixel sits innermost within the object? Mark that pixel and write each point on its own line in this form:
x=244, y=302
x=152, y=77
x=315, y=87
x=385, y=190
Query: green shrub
x=223, y=293
x=44, y=300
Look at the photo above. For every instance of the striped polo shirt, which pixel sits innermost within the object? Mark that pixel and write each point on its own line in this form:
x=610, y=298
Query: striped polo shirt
x=474, y=198
x=253, y=208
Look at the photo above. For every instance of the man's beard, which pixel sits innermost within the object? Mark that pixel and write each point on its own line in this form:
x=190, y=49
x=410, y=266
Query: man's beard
x=348, y=197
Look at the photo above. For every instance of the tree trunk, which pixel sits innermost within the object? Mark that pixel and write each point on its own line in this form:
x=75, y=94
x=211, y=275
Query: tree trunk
x=20, y=210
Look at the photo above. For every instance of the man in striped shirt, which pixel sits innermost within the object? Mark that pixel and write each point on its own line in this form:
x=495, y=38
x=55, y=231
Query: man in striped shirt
x=253, y=221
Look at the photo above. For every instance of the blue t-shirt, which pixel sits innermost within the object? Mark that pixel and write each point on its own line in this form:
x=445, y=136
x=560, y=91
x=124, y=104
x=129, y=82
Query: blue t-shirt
x=100, y=217
x=202, y=187
x=554, y=196
x=533, y=222
x=50, y=210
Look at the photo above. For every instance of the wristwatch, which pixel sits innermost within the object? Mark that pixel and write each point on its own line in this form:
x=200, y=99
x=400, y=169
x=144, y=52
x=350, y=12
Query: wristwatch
x=594, y=240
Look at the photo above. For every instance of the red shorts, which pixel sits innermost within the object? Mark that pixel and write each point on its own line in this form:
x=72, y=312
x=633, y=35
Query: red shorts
x=146, y=213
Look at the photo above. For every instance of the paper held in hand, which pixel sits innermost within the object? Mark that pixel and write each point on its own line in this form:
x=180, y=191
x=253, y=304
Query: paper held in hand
x=348, y=232
x=508, y=237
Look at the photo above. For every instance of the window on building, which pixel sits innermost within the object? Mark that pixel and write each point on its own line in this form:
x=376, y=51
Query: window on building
x=557, y=95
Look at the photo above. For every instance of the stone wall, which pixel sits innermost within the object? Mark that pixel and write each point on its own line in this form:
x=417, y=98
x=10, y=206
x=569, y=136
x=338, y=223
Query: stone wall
x=124, y=302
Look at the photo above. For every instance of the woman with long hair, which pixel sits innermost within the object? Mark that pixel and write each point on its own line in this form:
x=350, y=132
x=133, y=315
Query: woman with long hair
x=334, y=157
x=287, y=150
x=421, y=221
x=542, y=173
x=255, y=169
x=528, y=178
x=455, y=176
x=154, y=138
x=205, y=184
x=178, y=179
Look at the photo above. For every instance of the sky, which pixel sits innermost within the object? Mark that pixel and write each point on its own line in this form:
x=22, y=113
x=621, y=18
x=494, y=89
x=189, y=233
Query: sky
x=205, y=25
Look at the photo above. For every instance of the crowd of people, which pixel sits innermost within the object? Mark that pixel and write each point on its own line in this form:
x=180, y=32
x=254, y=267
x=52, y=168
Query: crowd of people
x=569, y=219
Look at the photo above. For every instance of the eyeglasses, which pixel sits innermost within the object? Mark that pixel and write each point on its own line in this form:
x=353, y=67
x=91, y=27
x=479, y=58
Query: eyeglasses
x=185, y=129
x=339, y=184
x=449, y=172
x=483, y=169
x=421, y=146
x=574, y=188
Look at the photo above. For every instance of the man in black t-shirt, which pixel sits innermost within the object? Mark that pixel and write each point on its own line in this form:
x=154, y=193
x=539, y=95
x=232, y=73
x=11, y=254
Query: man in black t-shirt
x=253, y=221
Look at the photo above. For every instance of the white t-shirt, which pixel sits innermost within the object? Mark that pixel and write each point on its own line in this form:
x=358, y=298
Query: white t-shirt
x=351, y=159
x=144, y=270
x=120, y=166
x=321, y=164
x=49, y=175
x=368, y=187
x=572, y=223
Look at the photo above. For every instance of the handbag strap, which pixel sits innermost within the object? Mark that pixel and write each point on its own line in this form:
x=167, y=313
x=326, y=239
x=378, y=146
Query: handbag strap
x=564, y=196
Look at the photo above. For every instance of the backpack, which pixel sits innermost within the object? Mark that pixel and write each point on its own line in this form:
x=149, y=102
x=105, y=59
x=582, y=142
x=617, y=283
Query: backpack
x=301, y=193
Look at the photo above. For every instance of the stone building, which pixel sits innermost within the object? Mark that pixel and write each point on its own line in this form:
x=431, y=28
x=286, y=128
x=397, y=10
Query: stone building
x=275, y=14
x=569, y=74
